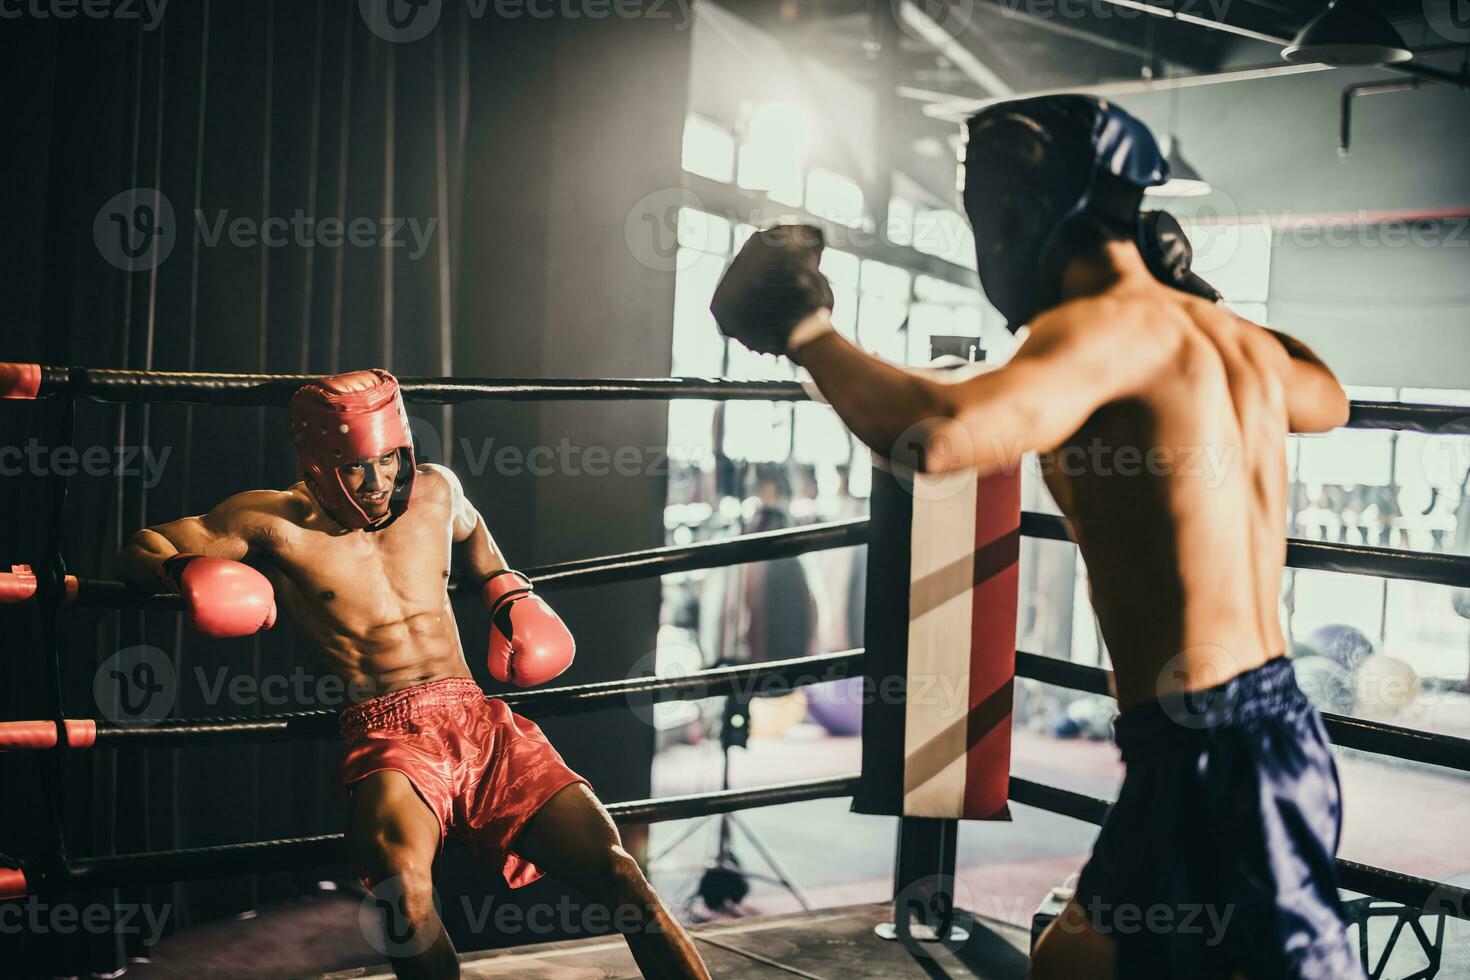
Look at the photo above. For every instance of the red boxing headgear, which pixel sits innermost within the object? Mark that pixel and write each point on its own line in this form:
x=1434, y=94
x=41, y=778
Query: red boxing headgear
x=344, y=419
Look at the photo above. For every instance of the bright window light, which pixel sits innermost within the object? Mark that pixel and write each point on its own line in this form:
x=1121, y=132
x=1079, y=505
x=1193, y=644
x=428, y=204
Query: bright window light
x=928, y=289
x=834, y=197
x=882, y=279
x=698, y=348
x=1235, y=258
x=758, y=432
x=747, y=365
x=771, y=158
x=783, y=126
x=1254, y=312
x=900, y=229
x=1346, y=457
x=820, y=435
x=704, y=231
x=1323, y=598
x=787, y=187
x=709, y=149
x=845, y=312
x=691, y=439
x=841, y=268
x=945, y=234
x=880, y=325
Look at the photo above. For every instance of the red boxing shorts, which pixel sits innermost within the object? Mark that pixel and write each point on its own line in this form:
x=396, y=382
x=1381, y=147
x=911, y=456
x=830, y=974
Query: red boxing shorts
x=482, y=769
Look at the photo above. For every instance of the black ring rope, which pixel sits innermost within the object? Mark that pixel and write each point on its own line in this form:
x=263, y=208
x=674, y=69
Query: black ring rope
x=272, y=390
x=1428, y=567
x=1395, y=741
x=579, y=572
x=206, y=388
x=765, y=678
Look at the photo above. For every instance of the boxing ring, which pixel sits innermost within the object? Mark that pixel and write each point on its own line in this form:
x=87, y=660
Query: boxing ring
x=926, y=846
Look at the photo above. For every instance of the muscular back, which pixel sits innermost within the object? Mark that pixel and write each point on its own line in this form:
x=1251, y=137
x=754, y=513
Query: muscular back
x=1176, y=494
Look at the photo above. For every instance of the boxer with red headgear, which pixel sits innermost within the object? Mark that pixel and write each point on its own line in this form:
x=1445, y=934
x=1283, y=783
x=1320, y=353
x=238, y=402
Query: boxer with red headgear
x=358, y=557
x=346, y=422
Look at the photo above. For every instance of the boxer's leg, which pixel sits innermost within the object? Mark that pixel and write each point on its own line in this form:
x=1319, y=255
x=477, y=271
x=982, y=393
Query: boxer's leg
x=394, y=837
x=572, y=838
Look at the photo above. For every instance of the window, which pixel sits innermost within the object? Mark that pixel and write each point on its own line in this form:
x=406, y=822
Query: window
x=900, y=227
x=1236, y=260
x=945, y=234
x=709, y=149
x=836, y=198
x=771, y=159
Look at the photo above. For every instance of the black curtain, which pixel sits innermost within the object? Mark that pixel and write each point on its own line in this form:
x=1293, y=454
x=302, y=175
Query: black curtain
x=221, y=111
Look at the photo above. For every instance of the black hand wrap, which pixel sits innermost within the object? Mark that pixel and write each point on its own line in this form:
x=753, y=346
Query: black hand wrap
x=773, y=284
x=1167, y=253
x=171, y=572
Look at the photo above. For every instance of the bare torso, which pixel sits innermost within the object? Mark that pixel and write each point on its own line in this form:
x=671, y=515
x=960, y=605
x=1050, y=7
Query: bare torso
x=1176, y=498
x=375, y=604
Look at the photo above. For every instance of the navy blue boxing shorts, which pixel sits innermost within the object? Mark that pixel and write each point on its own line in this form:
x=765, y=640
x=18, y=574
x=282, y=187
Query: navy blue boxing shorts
x=1219, y=854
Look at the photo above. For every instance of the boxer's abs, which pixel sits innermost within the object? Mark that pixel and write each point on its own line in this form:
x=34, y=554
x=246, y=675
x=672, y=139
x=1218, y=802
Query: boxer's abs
x=376, y=605
x=1176, y=500
x=398, y=655
x=379, y=643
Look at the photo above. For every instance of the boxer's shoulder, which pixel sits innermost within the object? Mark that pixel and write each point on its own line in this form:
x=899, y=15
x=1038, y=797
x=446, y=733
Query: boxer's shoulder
x=436, y=487
x=258, y=510
x=1134, y=332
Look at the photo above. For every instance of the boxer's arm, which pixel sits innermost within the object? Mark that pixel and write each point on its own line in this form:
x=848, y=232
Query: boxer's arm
x=475, y=551
x=1315, y=401
x=528, y=643
x=1065, y=370
x=233, y=529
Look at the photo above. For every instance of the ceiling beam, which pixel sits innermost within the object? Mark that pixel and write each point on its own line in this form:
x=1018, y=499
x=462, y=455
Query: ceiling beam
x=960, y=109
x=921, y=25
x=1097, y=35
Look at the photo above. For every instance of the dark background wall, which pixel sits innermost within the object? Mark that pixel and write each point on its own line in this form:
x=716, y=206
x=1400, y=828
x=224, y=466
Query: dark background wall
x=527, y=144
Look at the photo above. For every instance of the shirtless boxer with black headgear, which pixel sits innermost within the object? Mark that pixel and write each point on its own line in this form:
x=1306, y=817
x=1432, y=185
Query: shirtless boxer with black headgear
x=358, y=554
x=1229, y=814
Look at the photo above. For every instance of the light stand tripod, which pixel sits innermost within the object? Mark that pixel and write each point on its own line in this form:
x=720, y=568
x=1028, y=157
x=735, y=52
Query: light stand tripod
x=724, y=883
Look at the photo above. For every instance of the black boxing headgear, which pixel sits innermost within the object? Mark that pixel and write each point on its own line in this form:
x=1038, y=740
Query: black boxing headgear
x=1043, y=175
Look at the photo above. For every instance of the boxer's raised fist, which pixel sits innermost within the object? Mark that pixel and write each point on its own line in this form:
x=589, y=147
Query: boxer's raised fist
x=773, y=285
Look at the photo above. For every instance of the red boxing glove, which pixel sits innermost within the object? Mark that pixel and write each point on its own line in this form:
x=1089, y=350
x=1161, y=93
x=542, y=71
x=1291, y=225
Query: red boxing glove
x=529, y=644
x=225, y=598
